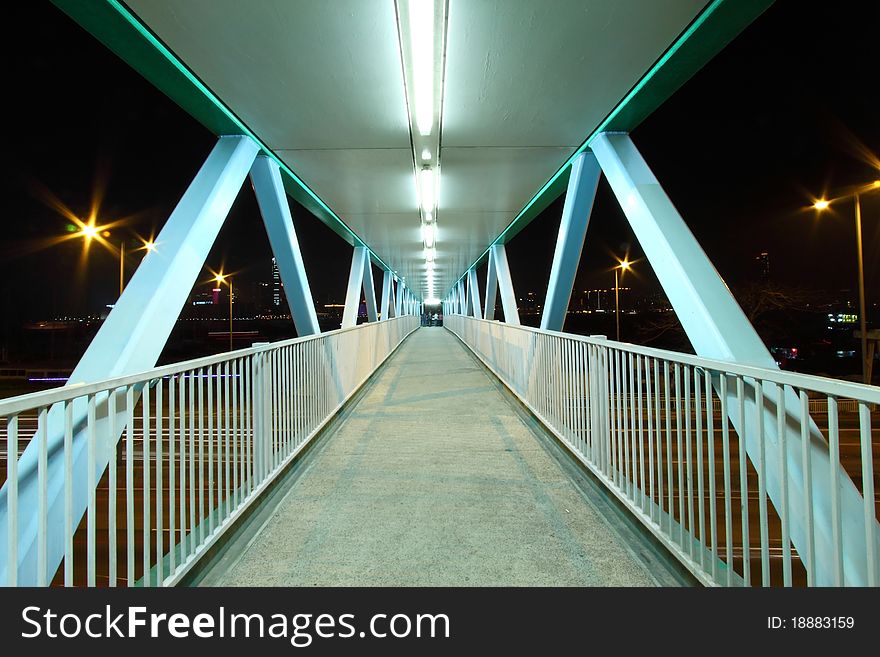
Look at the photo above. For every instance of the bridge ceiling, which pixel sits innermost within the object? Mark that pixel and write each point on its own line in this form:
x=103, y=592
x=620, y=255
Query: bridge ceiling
x=321, y=84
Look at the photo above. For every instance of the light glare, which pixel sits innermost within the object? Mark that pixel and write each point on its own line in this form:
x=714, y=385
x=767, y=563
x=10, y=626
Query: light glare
x=429, y=234
x=426, y=187
x=421, y=37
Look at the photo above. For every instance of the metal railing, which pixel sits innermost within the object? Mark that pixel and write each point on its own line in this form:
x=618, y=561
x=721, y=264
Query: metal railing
x=164, y=461
x=697, y=448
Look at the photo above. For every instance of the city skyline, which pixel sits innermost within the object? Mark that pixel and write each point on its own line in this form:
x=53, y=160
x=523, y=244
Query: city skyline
x=127, y=127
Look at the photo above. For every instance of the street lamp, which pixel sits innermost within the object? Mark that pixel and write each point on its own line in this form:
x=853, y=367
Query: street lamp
x=824, y=204
x=624, y=266
x=226, y=278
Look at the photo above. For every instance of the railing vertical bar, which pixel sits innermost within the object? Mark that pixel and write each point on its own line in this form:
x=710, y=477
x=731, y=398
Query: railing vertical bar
x=834, y=452
x=762, y=484
x=242, y=429
x=227, y=438
x=782, y=444
x=111, y=490
x=91, y=474
x=201, y=405
x=580, y=384
x=698, y=446
x=658, y=441
x=649, y=421
x=641, y=439
x=710, y=462
x=626, y=359
x=806, y=462
x=68, y=493
x=43, y=503
x=667, y=407
x=689, y=459
x=277, y=440
x=868, y=492
x=209, y=383
x=160, y=465
x=12, y=500
x=728, y=501
x=615, y=418
x=247, y=382
x=129, y=486
x=193, y=500
x=743, y=481
x=146, y=458
x=678, y=434
x=172, y=475
x=181, y=403
x=222, y=454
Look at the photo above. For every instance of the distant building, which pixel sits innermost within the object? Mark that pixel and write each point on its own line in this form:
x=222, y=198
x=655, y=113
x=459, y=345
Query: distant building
x=763, y=264
x=601, y=300
x=277, y=286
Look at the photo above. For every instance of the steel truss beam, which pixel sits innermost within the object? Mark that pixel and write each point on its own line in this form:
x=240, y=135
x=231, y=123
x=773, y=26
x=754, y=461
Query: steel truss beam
x=473, y=295
x=129, y=341
x=718, y=329
x=582, y=185
x=499, y=273
x=360, y=277
x=272, y=199
x=387, y=310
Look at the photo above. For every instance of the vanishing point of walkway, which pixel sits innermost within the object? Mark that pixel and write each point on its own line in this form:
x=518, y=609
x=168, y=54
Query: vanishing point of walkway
x=433, y=479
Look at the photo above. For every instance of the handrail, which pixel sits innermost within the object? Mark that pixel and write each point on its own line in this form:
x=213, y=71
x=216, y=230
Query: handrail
x=722, y=462
x=180, y=452
x=19, y=403
x=821, y=384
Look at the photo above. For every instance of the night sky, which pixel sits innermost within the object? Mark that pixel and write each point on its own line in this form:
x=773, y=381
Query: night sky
x=773, y=121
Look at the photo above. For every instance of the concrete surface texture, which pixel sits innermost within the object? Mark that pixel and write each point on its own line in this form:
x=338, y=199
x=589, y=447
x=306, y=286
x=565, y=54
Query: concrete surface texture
x=434, y=480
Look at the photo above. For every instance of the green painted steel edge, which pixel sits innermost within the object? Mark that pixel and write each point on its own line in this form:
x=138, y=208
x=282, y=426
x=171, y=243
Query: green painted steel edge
x=117, y=27
x=716, y=25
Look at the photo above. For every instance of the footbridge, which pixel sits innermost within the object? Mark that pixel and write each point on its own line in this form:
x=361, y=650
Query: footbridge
x=427, y=134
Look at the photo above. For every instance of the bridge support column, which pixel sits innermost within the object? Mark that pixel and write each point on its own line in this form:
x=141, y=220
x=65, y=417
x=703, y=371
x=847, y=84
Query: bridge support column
x=370, y=291
x=130, y=340
x=358, y=281
x=387, y=295
x=398, y=298
x=579, y=199
x=474, y=294
x=501, y=270
x=275, y=209
x=717, y=328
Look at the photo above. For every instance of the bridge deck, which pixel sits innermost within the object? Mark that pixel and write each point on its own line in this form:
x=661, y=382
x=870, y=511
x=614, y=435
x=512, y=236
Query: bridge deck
x=432, y=479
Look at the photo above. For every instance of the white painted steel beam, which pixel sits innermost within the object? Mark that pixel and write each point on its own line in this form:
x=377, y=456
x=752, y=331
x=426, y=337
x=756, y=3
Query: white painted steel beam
x=398, y=300
x=505, y=284
x=718, y=329
x=355, y=284
x=272, y=199
x=491, y=288
x=387, y=293
x=129, y=341
x=370, y=291
x=582, y=184
x=474, y=295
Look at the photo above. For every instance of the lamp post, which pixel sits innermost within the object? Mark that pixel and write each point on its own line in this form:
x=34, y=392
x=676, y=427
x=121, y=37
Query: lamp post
x=225, y=278
x=622, y=267
x=823, y=204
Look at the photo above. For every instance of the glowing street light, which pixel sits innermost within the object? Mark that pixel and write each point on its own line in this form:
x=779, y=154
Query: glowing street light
x=623, y=266
x=823, y=204
x=226, y=278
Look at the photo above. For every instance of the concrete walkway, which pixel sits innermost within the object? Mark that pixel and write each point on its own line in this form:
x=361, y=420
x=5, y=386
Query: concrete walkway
x=434, y=480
